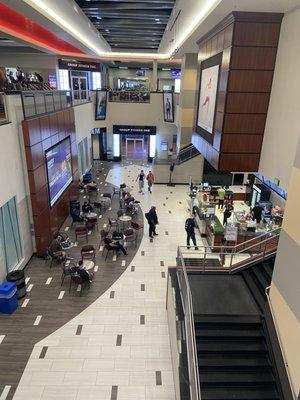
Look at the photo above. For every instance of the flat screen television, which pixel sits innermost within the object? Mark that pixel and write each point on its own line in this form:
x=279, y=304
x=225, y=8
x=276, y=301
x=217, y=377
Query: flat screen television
x=59, y=169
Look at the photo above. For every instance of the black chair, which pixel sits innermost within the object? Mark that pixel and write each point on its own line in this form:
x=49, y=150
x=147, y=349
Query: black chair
x=108, y=249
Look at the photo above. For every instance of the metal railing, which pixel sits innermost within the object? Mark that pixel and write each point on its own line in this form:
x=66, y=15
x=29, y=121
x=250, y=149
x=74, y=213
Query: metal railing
x=280, y=343
x=128, y=96
x=3, y=109
x=230, y=258
x=186, y=296
x=187, y=154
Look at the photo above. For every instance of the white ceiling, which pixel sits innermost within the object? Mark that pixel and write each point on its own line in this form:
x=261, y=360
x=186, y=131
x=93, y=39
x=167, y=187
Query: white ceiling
x=195, y=18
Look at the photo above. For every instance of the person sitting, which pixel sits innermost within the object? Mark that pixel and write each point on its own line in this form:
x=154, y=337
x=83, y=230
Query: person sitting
x=64, y=240
x=75, y=214
x=114, y=244
x=86, y=208
x=82, y=272
x=56, y=250
x=128, y=198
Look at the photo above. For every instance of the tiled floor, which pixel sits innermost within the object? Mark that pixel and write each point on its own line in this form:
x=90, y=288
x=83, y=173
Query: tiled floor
x=118, y=346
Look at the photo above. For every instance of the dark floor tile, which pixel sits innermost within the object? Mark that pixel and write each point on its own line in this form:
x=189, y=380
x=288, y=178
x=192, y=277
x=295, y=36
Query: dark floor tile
x=132, y=268
x=114, y=393
x=162, y=264
x=158, y=378
x=112, y=294
x=142, y=253
x=79, y=330
x=43, y=352
x=142, y=287
x=119, y=340
x=163, y=274
x=142, y=319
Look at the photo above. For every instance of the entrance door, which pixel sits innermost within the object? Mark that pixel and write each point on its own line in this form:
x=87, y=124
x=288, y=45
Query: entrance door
x=135, y=149
x=79, y=87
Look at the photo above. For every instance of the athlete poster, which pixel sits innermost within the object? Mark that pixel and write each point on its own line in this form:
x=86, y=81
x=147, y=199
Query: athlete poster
x=207, y=99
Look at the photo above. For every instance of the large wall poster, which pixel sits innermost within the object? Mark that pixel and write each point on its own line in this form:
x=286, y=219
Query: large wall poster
x=208, y=96
x=168, y=107
x=101, y=104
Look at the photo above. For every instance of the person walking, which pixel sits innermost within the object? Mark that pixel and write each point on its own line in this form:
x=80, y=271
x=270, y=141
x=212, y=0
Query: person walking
x=227, y=213
x=152, y=219
x=190, y=231
x=150, y=180
x=257, y=212
x=141, y=179
x=221, y=197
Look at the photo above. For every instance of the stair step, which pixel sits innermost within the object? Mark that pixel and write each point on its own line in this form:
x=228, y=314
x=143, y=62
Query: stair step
x=268, y=268
x=222, y=348
x=229, y=320
x=233, y=362
x=245, y=393
x=259, y=298
x=235, y=378
x=229, y=332
x=263, y=281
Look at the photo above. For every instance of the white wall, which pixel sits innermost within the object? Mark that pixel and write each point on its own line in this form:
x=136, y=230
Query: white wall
x=283, y=122
x=150, y=114
x=115, y=73
x=13, y=176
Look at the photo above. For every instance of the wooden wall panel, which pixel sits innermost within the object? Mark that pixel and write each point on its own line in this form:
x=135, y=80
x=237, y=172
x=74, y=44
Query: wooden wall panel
x=249, y=43
x=40, y=134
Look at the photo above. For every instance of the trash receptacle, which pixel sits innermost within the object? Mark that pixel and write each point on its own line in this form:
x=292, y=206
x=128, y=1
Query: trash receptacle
x=18, y=277
x=8, y=297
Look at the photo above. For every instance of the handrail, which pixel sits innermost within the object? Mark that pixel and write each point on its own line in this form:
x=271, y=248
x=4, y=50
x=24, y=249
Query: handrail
x=189, y=314
x=259, y=236
x=261, y=253
x=280, y=343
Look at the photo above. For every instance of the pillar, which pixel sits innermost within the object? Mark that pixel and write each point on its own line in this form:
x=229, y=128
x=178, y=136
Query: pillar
x=187, y=97
x=154, y=76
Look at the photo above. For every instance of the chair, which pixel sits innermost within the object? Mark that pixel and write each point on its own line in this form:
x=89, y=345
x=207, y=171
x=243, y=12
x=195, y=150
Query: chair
x=77, y=280
x=88, y=252
x=53, y=258
x=108, y=196
x=112, y=223
x=137, y=227
x=65, y=272
x=81, y=232
x=116, y=192
x=129, y=236
x=91, y=222
x=108, y=248
x=97, y=207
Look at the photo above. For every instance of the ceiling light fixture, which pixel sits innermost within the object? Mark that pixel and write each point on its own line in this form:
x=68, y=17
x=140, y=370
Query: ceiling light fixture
x=157, y=19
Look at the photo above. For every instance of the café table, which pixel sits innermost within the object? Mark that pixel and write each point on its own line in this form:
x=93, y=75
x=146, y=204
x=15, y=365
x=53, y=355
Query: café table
x=125, y=220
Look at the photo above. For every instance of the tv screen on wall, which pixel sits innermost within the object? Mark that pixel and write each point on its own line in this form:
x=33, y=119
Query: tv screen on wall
x=59, y=169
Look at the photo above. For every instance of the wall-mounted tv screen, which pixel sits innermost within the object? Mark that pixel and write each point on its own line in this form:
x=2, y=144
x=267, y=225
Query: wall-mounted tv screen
x=59, y=169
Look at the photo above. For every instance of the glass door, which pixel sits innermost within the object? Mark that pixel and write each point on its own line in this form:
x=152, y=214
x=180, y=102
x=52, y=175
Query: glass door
x=79, y=88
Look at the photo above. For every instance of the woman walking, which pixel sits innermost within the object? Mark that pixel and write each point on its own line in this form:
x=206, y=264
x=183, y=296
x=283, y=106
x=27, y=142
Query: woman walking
x=150, y=180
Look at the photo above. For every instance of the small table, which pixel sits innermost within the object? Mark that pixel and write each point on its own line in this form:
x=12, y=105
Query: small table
x=91, y=215
x=125, y=219
x=88, y=265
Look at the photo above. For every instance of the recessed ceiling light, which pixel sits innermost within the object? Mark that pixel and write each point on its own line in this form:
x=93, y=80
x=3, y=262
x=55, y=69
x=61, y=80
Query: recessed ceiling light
x=106, y=30
x=99, y=17
x=76, y=9
x=157, y=19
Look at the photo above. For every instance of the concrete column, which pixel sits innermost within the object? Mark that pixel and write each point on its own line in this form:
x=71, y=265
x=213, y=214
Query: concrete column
x=154, y=76
x=187, y=97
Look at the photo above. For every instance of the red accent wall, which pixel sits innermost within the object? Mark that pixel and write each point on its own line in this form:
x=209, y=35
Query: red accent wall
x=41, y=133
x=248, y=43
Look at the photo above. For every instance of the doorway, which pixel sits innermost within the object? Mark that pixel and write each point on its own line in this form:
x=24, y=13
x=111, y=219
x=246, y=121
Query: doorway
x=79, y=87
x=135, y=149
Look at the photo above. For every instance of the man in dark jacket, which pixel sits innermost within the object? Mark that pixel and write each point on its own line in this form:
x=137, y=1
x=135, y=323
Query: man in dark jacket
x=257, y=213
x=152, y=221
x=190, y=231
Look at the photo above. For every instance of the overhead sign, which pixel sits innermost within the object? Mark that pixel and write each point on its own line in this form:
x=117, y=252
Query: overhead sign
x=134, y=129
x=79, y=65
x=231, y=233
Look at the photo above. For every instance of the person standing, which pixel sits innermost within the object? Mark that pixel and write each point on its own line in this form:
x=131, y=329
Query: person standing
x=141, y=179
x=257, y=213
x=150, y=180
x=152, y=219
x=190, y=231
x=227, y=213
x=221, y=197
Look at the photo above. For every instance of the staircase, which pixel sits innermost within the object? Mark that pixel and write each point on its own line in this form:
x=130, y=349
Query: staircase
x=233, y=358
x=186, y=153
x=258, y=278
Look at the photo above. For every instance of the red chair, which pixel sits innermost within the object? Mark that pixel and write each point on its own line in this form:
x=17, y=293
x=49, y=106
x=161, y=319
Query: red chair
x=77, y=280
x=137, y=227
x=108, y=249
x=129, y=236
x=88, y=252
x=81, y=232
x=91, y=222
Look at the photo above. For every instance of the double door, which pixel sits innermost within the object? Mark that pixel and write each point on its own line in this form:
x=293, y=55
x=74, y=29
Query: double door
x=135, y=149
x=79, y=87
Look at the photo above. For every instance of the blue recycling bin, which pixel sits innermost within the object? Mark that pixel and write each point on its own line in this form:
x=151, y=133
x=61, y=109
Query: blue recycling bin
x=8, y=297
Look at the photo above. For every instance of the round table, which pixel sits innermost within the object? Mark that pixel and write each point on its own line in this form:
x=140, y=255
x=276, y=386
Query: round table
x=125, y=219
x=91, y=215
x=88, y=265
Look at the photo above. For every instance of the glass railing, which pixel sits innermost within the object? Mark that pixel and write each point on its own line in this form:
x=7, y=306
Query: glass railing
x=45, y=101
x=230, y=258
x=3, y=110
x=81, y=96
x=128, y=96
x=187, y=154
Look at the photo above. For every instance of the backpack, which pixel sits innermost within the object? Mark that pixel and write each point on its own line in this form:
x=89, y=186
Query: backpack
x=147, y=216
